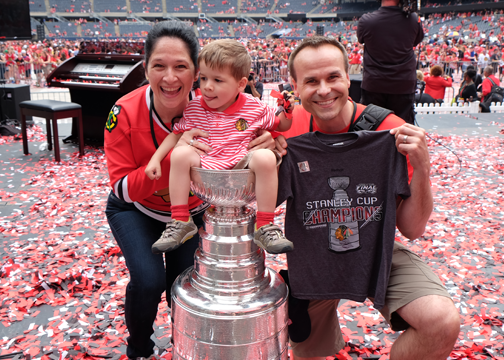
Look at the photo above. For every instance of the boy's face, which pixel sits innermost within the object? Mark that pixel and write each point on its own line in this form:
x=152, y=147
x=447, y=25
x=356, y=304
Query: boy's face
x=218, y=87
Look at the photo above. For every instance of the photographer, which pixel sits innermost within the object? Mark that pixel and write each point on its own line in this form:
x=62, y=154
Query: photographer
x=253, y=87
x=389, y=73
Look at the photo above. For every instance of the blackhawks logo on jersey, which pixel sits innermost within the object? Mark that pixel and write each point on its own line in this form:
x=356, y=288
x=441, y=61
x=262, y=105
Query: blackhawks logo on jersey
x=112, y=118
x=241, y=125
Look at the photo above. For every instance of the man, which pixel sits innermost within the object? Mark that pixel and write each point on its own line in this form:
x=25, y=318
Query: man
x=496, y=59
x=355, y=62
x=416, y=301
x=486, y=95
x=483, y=59
x=389, y=71
x=253, y=87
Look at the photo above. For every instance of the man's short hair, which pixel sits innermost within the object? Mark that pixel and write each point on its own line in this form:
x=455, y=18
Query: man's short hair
x=316, y=42
x=488, y=70
x=227, y=53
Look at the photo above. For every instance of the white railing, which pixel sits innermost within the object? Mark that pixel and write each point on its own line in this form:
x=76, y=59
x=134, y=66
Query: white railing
x=497, y=107
x=466, y=108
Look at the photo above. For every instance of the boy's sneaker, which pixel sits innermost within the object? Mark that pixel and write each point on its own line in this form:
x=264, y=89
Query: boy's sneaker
x=176, y=233
x=271, y=238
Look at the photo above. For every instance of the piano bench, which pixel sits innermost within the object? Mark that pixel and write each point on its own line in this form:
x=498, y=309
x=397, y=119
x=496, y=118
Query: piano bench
x=51, y=110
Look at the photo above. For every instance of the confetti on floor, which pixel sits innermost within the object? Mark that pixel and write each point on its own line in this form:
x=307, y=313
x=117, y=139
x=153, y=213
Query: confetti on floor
x=62, y=276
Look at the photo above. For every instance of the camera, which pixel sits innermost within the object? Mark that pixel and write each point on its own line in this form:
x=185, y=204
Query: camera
x=251, y=77
x=409, y=6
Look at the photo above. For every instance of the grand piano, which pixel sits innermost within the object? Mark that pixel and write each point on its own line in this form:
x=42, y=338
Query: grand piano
x=97, y=77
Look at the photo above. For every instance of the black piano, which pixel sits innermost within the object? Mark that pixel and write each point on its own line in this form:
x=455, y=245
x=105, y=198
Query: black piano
x=97, y=77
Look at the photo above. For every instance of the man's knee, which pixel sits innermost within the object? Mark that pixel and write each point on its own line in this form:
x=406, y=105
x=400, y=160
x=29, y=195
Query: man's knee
x=444, y=318
x=436, y=317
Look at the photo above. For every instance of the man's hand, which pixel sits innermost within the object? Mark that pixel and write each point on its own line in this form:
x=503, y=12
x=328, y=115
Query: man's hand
x=281, y=145
x=264, y=140
x=413, y=213
x=410, y=140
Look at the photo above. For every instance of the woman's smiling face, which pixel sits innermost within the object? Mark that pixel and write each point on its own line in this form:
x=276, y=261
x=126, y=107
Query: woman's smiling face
x=171, y=73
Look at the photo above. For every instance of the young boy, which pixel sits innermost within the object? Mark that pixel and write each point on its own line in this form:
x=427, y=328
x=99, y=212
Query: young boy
x=231, y=119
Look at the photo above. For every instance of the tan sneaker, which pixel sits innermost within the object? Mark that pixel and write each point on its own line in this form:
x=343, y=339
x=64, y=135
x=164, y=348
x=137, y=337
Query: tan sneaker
x=271, y=238
x=176, y=233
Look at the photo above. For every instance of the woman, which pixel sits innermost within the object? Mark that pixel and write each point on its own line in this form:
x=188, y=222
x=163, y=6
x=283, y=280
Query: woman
x=138, y=208
x=435, y=84
x=467, y=91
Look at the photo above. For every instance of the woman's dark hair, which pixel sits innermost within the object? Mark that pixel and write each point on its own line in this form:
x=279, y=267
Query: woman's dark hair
x=176, y=29
x=471, y=73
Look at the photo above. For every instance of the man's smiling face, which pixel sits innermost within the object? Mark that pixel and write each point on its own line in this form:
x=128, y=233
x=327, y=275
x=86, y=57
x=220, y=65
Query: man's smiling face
x=322, y=82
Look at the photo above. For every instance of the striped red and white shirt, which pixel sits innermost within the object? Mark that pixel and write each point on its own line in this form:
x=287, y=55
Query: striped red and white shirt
x=229, y=131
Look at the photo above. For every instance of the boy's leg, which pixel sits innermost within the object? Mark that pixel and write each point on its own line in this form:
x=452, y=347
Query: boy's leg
x=181, y=228
x=182, y=159
x=267, y=235
x=263, y=164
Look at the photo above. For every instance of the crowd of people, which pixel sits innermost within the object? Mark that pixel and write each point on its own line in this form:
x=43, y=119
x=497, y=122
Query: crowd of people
x=402, y=287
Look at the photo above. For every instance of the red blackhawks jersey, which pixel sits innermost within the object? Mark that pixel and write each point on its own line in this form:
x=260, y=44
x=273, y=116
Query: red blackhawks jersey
x=129, y=146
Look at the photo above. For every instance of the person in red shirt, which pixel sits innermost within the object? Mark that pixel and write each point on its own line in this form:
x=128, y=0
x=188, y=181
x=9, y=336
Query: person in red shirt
x=486, y=95
x=486, y=85
x=436, y=83
x=355, y=62
x=318, y=68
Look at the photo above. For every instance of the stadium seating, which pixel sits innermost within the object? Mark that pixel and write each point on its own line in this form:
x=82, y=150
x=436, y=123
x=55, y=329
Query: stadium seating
x=74, y=6
x=97, y=29
x=33, y=25
x=213, y=30
x=350, y=8
x=256, y=6
x=296, y=6
x=134, y=30
x=147, y=6
x=37, y=6
x=110, y=6
x=189, y=6
x=246, y=30
x=219, y=6
x=60, y=29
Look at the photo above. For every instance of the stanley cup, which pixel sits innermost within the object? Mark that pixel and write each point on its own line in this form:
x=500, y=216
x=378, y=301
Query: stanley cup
x=229, y=306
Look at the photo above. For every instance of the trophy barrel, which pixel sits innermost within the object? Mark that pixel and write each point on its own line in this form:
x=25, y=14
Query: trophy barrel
x=208, y=327
x=229, y=306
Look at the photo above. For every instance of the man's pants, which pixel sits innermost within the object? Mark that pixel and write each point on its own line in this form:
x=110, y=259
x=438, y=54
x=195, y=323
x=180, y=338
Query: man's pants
x=403, y=105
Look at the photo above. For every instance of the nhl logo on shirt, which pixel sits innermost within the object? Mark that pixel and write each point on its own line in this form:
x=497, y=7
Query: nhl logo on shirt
x=112, y=118
x=241, y=125
x=303, y=166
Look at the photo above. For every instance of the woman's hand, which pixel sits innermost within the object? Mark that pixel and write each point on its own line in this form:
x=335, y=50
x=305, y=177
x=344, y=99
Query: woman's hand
x=188, y=139
x=264, y=140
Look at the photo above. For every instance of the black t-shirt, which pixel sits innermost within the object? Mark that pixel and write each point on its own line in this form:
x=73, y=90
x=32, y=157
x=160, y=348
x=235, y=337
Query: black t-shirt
x=389, y=60
x=341, y=193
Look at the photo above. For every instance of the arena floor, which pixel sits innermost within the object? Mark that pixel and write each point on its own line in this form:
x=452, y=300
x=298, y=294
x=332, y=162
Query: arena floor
x=62, y=277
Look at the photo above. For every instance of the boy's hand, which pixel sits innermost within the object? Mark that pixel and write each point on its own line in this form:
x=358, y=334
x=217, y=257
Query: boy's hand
x=153, y=170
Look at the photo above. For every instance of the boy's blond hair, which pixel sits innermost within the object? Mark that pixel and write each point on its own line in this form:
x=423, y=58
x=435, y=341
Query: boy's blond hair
x=227, y=53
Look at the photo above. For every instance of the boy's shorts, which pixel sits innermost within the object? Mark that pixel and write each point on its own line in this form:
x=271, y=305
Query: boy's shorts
x=410, y=279
x=244, y=162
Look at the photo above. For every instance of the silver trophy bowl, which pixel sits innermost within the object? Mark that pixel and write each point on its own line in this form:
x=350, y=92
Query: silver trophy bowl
x=227, y=188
